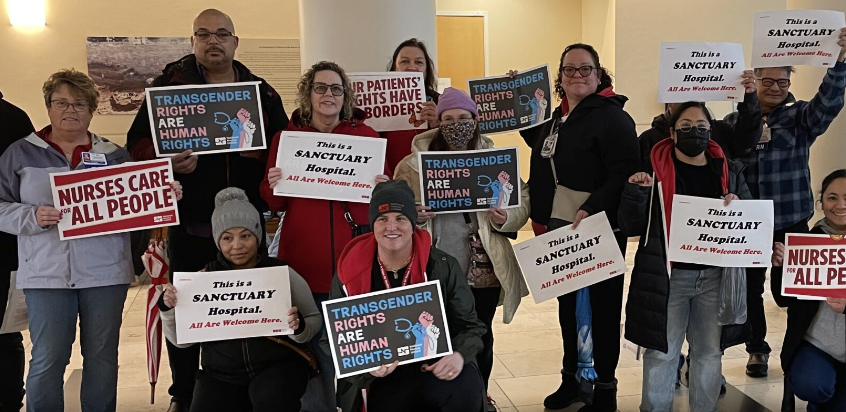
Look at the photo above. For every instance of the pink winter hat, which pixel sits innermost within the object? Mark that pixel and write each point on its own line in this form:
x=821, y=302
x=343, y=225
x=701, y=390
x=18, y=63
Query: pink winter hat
x=453, y=98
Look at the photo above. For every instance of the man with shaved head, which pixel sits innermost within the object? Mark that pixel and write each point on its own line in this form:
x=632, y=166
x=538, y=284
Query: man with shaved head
x=191, y=244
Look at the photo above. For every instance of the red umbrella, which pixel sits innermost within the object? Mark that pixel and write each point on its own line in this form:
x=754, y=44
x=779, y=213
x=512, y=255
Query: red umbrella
x=156, y=264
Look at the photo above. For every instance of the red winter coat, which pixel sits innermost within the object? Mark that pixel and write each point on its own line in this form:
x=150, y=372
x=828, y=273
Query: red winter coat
x=399, y=145
x=314, y=232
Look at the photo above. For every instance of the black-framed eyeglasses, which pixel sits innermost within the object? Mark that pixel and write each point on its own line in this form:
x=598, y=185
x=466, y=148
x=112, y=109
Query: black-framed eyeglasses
x=768, y=82
x=584, y=71
x=321, y=88
x=64, y=104
x=685, y=128
x=223, y=36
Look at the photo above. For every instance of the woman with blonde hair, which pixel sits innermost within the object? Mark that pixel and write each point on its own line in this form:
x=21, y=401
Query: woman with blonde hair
x=315, y=231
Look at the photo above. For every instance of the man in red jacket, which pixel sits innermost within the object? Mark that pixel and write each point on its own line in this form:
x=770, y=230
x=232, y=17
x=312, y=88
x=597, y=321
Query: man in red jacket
x=190, y=245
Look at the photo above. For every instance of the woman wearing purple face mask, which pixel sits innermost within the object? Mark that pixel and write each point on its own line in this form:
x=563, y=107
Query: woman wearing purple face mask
x=478, y=240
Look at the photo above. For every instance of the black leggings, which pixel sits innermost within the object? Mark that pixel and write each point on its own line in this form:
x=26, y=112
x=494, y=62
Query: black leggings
x=421, y=391
x=187, y=253
x=276, y=388
x=12, y=367
x=486, y=300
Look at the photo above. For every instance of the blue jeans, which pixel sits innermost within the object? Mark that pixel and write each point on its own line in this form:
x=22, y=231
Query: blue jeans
x=818, y=378
x=320, y=393
x=52, y=326
x=692, y=309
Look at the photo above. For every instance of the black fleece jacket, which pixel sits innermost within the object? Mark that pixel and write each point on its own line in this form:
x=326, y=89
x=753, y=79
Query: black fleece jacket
x=216, y=171
x=596, y=152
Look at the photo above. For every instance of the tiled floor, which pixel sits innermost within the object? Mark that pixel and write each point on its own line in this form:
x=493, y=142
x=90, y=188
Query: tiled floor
x=526, y=369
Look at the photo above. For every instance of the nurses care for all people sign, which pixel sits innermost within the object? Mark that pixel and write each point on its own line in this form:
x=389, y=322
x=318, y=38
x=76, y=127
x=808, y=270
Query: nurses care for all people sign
x=114, y=199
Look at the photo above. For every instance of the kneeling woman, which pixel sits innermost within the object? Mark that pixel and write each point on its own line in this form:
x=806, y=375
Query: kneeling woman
x=814, y=352
x=261, y=373
x=666, y=304
x=398, y=254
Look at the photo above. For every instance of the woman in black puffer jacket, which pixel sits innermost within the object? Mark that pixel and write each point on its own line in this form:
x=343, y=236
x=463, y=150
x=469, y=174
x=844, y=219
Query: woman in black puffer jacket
x=668, y=300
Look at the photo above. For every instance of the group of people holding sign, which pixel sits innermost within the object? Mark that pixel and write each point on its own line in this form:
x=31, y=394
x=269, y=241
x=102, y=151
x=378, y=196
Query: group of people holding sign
x=395, y=249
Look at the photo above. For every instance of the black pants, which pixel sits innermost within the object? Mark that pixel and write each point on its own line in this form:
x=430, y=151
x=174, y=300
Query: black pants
x=606, y=302
x=187, y=253
x=139, y=240
x=486, y=300
x=419, y=391
x=755, y=284
x=277, y=388
x=11, y=355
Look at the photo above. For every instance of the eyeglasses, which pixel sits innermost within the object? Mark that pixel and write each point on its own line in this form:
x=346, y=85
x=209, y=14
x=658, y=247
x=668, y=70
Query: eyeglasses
x=584, y=71
x=321, y=88
x=223, y=36
x=768, y=82
x=685, y=128
x=64, y=104
x=450, y=120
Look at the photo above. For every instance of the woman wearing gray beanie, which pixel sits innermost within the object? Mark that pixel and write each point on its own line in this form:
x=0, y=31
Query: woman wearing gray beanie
x=260, y=373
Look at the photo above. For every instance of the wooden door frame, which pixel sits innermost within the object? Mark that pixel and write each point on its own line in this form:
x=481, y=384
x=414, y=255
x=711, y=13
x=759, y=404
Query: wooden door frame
x=484, y=16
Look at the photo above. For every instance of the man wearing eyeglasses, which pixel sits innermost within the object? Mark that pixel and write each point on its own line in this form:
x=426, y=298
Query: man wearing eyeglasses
x=190, y=245
x=778, y=169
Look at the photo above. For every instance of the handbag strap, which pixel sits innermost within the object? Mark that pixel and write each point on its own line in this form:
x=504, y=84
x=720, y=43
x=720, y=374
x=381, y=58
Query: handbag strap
x=308, y=357
x=348, y=216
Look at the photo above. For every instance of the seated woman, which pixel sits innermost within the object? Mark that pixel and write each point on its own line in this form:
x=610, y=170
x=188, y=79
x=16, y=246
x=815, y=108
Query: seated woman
x=664, y=304
x=813, y=355
x=452, y=383
x=252, y=374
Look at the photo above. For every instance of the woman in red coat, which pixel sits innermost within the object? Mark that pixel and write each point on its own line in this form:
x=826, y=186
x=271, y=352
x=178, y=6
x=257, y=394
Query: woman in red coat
x=315, y=231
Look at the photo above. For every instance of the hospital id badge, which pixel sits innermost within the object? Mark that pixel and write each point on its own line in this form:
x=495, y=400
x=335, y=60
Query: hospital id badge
x=94, y=159
x=548, y=148
x=765, y=135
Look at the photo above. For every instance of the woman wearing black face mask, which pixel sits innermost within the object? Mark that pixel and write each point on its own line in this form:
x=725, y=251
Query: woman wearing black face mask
x=663, y=307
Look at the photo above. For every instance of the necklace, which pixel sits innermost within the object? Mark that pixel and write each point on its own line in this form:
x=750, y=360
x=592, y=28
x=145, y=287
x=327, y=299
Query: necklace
x=396, y=271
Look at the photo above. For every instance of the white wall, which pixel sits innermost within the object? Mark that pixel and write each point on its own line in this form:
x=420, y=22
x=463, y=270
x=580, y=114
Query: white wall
x=643, y=24
x=364, y=33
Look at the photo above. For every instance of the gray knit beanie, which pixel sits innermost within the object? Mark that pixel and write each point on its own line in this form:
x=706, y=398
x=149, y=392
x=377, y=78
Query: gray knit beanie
x=233, y=209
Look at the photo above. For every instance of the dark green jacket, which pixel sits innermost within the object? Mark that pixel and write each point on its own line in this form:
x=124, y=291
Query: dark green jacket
x=465, y=328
